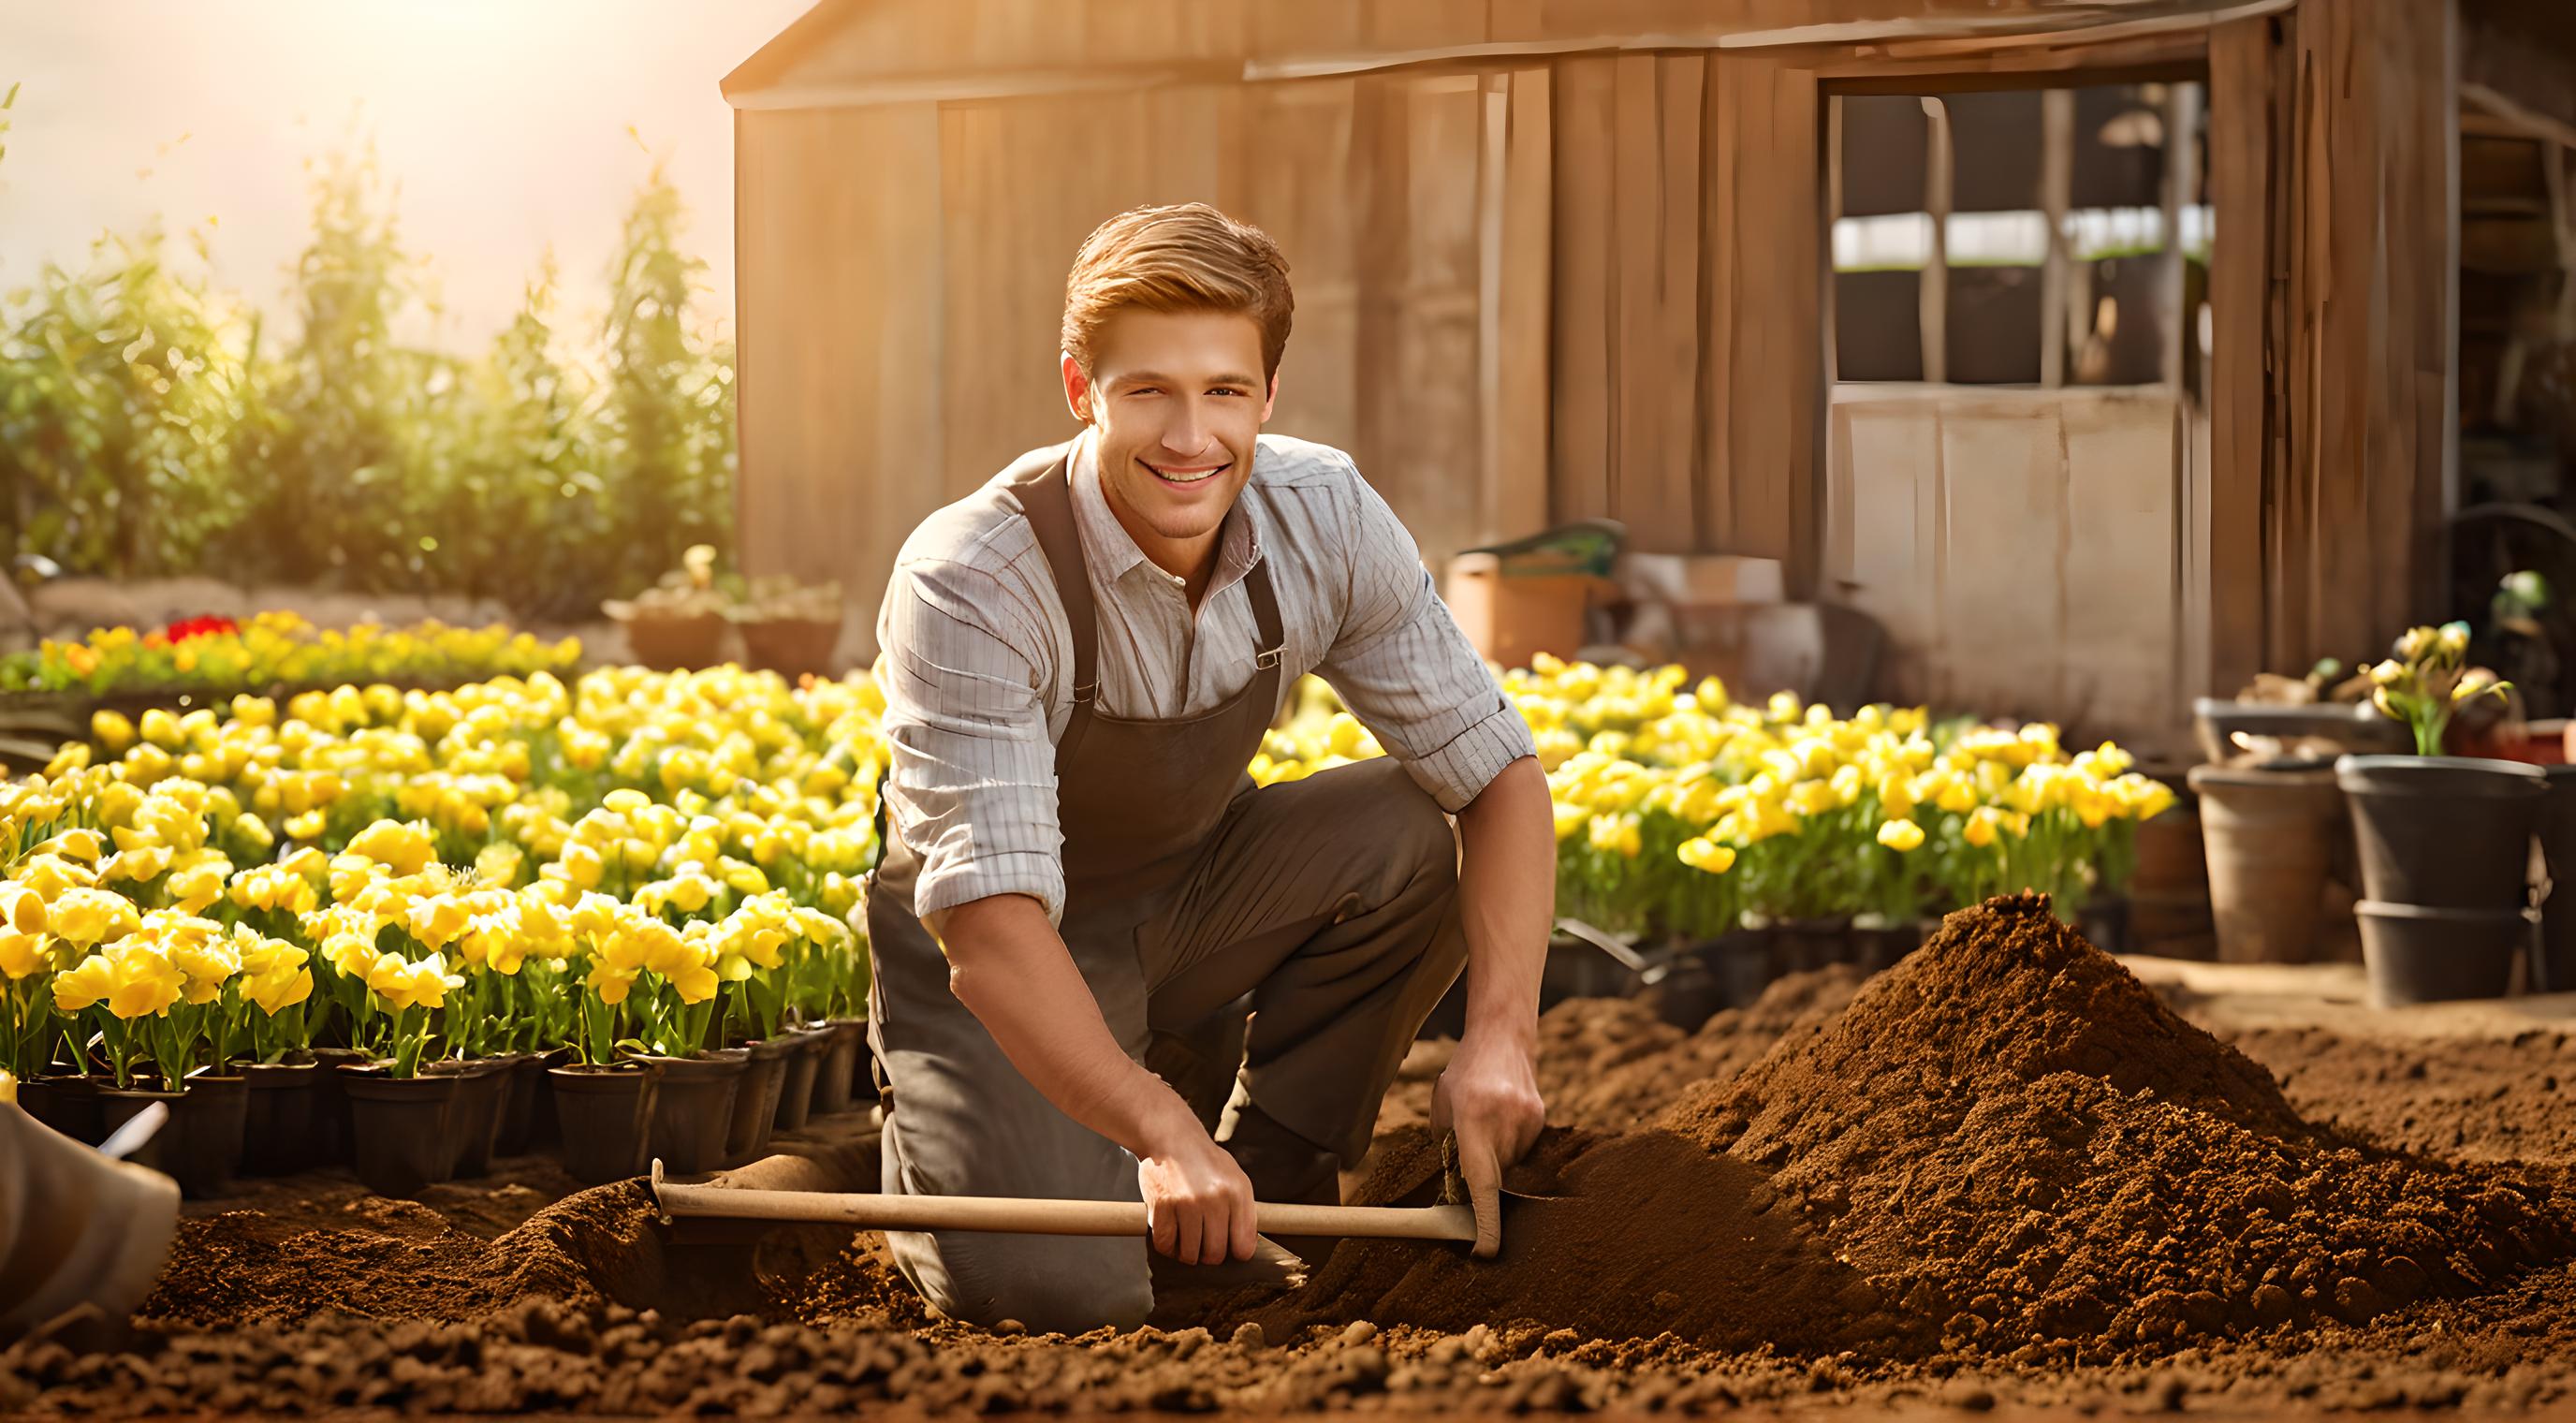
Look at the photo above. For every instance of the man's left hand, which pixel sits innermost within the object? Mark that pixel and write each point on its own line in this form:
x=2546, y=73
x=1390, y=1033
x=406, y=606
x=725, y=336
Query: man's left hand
x=1488, y=1096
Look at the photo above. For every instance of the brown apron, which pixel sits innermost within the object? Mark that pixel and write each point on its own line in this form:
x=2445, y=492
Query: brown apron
x=1155, y=814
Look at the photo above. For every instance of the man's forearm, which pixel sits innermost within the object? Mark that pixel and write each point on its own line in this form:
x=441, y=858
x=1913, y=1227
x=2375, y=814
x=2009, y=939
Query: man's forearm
x=1011, y=969
x=1507, y=895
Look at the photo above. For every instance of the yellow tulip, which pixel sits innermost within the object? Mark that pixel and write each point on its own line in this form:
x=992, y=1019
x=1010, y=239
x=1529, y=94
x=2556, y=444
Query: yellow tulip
x=131, y=976
x=89, y=916
x=22, y=909
x=1902, y=836
x=1707, y=856
x=22, y=954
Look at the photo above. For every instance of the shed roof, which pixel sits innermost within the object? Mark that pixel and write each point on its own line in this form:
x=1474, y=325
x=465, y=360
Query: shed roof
x=857, y=52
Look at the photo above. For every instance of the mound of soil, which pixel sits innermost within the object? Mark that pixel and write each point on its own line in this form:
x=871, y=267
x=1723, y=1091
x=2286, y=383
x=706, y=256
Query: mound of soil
x=396, y=1260
x=2015, y=1139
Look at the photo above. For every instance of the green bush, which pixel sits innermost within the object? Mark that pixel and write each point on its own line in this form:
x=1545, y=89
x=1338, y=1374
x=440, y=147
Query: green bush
x=151, y=426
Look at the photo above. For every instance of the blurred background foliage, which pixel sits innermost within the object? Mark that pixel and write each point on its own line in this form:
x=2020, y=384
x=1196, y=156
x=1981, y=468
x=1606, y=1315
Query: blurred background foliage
x=153, y=426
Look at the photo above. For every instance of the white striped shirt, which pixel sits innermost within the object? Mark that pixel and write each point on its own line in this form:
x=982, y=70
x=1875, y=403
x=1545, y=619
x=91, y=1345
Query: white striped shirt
x=976, y=657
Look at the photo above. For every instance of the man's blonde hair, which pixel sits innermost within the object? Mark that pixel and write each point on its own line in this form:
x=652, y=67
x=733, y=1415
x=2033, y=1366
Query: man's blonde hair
x=1185, y=257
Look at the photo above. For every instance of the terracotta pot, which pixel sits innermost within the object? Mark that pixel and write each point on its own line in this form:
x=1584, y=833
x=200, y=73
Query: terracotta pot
x=756, y=1105
x=277, y=1127
x=693, y=1108
x=200, y=1147
x=474, y=1116
x=68, y=1104
x=400, y=1139
x=607, y=1118
x=668, y=644
x=2271, y=839
x=796, y=1090
x=2420, y=953
x=790, y=647
x=2444, y=831
x=836, y=1081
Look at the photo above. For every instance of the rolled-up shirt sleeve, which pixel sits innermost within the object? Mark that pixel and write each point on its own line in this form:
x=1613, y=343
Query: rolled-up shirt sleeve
x=1403, y=667
x=971, y=788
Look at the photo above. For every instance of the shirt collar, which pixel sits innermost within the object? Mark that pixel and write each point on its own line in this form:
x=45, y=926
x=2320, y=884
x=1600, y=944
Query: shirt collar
x=1111, y=552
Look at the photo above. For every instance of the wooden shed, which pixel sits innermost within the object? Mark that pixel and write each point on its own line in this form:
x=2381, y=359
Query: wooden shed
x=1569, y=258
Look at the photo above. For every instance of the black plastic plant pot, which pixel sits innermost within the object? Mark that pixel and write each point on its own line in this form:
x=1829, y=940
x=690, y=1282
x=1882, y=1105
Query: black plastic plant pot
x=526, y=1074
x=1744, y=960
x=277, y=1121
x=399, y=1139
x=836, y=1081
x=1878, y=945
x=200, y=1146
x=756, y=1106
x=474, y=1117
x=606, y=1114
x=68, y=1103
x=693, y=1108
x=1804, y=944
x=334, y=1139
x=2418, y=953
x=2450, y=832
x=796, y=1091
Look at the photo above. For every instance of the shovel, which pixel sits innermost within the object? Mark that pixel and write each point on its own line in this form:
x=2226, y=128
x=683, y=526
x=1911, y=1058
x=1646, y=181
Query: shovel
x=1034, y=1216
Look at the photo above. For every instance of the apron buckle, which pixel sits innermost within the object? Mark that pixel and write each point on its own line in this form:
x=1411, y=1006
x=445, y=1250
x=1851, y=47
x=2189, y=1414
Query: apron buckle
x=1264, y=661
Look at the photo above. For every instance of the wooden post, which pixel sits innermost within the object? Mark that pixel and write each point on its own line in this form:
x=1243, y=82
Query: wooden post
x=2182, y=183
x=1933, y=300
x=2056, y=192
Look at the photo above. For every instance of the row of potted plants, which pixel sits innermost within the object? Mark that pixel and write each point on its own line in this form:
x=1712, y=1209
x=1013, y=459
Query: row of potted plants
x=785, y=625
x=2442, y=845
x=619, y=880
x=1684, y=815
x=219, y=656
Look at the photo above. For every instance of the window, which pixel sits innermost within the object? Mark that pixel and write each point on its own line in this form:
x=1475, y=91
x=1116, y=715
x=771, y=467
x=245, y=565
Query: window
x=2018, y=237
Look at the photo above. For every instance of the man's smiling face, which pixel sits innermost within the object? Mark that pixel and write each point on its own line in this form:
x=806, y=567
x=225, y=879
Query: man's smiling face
x=1177, y=401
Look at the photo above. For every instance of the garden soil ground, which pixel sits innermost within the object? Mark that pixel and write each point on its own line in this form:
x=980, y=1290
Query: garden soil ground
x=2005, y=1173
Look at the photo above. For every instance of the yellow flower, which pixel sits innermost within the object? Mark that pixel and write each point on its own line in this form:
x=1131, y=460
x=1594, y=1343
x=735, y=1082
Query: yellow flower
x=500, y=864
x=1980, y=830
x=437, y=919
x=400, y=846
x=307, y=826
x=21, y=909
x=1902, y=836
x=22, y=954
x=131, y=976
x=1708, y=856
x=405, y=985
x=111, y=731
x=88, y=916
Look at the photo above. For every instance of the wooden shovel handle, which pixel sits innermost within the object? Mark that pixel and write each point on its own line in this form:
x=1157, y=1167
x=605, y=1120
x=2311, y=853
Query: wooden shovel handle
x=1043, y=1217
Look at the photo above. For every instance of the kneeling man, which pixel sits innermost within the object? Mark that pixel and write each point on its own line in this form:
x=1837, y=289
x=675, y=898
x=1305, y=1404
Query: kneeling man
x=1082, y=889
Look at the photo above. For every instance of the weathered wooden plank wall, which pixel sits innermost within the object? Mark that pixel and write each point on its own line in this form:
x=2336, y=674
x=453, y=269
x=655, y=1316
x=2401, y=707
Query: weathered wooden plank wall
x=2335, y=369
x=2017, y=545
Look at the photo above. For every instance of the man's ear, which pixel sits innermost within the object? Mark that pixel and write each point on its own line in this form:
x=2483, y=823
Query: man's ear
x=1271, y=398
x=1077, y=389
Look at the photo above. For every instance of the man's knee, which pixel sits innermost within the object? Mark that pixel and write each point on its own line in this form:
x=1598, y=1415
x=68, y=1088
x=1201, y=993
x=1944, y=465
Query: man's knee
x=1418, y=841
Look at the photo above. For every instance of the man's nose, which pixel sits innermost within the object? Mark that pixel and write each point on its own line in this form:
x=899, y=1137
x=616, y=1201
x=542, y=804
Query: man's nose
x=1187, y=434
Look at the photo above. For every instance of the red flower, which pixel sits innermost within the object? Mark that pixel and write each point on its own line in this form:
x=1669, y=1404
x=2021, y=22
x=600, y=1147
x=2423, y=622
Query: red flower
x=206, y=626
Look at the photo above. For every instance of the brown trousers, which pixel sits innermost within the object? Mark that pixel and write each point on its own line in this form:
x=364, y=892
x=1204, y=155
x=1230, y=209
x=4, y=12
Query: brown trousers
x=1328, y=906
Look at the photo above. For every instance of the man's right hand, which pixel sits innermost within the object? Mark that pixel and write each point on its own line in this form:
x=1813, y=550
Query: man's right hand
x=1197, y=1199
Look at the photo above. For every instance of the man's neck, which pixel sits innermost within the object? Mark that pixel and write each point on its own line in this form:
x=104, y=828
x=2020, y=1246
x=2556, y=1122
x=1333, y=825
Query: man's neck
x=1193, y=561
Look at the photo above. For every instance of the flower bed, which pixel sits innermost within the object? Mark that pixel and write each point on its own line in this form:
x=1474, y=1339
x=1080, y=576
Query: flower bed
x=632, y=865
x=275, y=650
x=1683, y=813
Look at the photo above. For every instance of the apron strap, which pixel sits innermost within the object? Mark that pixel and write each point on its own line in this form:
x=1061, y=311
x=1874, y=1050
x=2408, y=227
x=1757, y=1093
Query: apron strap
x=1269, y=643
x=1046, y=495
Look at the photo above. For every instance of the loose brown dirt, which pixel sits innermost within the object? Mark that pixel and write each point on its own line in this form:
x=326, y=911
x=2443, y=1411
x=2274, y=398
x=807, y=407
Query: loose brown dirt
x=2002, y=1173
